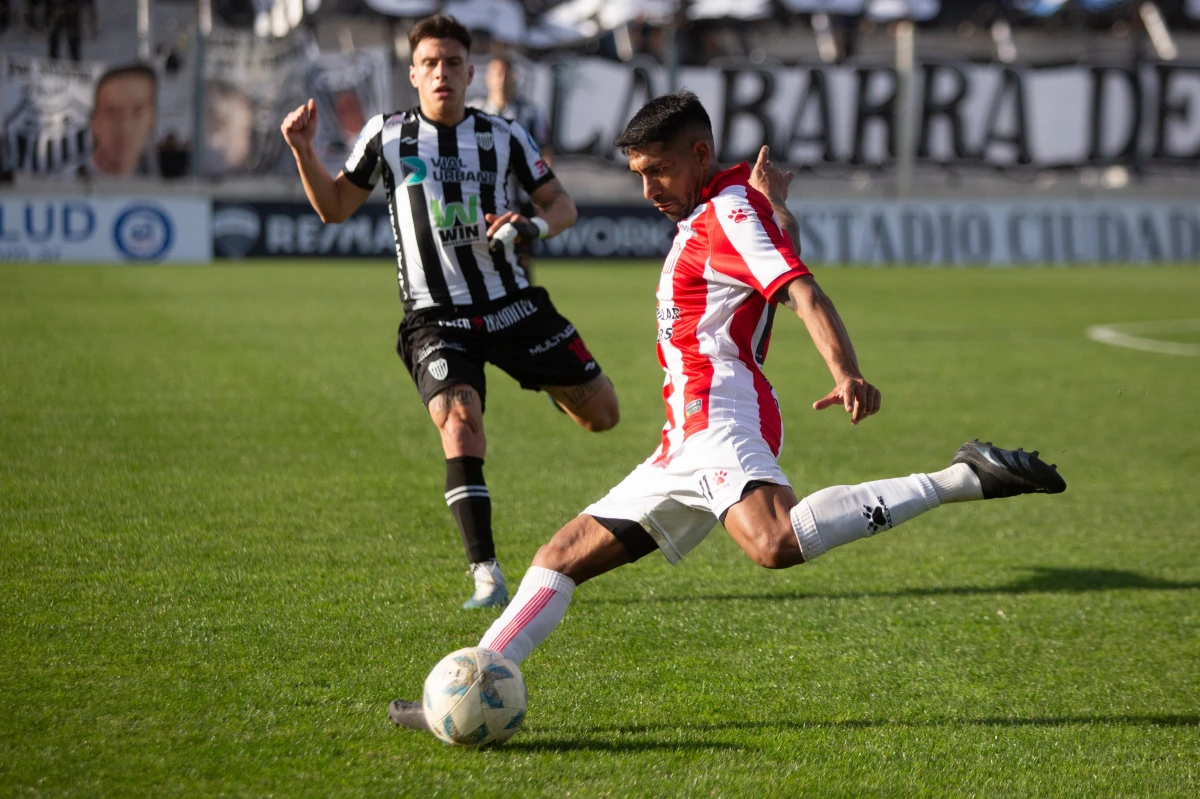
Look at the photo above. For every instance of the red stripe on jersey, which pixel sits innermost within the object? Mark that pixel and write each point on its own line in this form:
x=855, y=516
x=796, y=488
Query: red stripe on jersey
x=665, y=447
x=690, y=292
x=745, y=321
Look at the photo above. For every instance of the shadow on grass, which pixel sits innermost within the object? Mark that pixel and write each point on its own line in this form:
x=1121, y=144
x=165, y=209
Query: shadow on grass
x=1042, y=581
x=612, y=739
x=586, y=744
x=1122, y=720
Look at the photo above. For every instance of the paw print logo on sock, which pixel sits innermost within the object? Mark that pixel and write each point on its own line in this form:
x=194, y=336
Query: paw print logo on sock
x=878, y=518
x=720, y=478
x=738, y=215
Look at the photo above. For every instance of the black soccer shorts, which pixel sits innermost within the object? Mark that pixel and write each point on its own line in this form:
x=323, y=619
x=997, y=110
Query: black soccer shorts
x=523, y=334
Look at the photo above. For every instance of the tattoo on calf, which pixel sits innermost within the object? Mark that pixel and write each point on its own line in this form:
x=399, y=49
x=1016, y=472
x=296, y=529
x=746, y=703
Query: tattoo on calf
x=577, y=396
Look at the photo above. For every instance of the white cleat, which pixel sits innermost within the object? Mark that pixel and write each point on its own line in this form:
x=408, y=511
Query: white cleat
x=490, y=588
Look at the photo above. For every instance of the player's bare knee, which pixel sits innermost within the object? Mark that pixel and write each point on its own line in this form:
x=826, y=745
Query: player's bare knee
x=460, y=423
x=558, y=556
x=774, y=549
x=769, y=556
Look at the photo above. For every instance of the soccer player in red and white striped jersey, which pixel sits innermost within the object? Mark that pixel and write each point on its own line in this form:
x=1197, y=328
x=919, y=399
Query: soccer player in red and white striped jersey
x=733, y=261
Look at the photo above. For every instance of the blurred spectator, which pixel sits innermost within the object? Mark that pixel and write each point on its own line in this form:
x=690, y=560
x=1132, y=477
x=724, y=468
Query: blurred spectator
x=173, y=157
x=123, y=116
x=228, y=129
x=64, y=18
x=351, y=118
x=503, y=100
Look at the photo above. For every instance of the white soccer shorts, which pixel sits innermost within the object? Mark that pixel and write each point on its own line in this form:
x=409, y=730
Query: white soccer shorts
x=680, y=502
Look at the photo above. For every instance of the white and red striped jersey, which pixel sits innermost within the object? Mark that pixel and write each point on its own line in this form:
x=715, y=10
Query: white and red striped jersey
x=715, y=312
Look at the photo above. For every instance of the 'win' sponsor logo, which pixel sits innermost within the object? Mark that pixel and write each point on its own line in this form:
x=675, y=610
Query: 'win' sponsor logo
x=450, y=214
x=456, y=223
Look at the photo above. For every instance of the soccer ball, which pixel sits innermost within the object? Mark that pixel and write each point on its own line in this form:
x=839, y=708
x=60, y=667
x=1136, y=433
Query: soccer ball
x=475, y=697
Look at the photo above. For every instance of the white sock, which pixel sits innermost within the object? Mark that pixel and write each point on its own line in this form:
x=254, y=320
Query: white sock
x=958, y=483
x=841, y=514
x=540, y=604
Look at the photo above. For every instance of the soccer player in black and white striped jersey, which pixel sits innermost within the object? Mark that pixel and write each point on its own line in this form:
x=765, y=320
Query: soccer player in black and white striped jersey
x=466, y=299
x=502, y=101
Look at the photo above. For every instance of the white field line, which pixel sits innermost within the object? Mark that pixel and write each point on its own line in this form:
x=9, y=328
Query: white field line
x=1126, y=335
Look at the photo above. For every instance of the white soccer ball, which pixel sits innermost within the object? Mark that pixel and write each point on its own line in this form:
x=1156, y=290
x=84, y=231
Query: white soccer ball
x=475, y=697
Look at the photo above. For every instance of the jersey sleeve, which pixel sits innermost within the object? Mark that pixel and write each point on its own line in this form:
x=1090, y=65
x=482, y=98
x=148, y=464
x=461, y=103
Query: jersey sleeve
x=747, y=246
x=525, y=160
x=365, y=164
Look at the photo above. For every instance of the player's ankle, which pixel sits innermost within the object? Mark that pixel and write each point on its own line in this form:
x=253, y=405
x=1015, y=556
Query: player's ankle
x=958, y=483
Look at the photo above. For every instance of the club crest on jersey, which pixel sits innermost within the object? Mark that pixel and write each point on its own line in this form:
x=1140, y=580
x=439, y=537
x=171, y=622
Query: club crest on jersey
x=412, y=170
x=484, y=140
x=439, y=369
x=693, y=407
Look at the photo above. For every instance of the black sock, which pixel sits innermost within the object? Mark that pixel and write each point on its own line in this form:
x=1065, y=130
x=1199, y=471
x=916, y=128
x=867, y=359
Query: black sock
x=469, y=501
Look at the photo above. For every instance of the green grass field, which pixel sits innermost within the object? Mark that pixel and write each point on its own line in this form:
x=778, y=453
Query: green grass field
x=224, y=549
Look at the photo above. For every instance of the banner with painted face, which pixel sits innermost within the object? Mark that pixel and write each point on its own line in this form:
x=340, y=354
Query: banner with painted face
x=252, y=83
x=348, y=88
x=62, y=120
x=52, y=114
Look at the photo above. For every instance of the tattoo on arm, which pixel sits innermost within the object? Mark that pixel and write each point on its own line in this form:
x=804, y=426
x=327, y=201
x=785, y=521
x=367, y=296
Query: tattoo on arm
x=549, y=194
x=789, y=225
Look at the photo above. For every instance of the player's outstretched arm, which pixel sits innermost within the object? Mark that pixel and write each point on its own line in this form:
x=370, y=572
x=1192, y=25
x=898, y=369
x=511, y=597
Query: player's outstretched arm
x=773, y=182
x=334, y=200
x=852, y=391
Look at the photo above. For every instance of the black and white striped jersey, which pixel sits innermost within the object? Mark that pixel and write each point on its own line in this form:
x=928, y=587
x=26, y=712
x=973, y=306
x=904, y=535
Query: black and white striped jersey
x=530, y=117
x=440, y=181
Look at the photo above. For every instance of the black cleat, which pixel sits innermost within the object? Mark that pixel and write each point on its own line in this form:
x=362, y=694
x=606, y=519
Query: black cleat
x=407, y=714
x=1009, y=472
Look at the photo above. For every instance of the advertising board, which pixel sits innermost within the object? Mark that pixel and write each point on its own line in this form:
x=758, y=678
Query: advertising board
x=130, y=230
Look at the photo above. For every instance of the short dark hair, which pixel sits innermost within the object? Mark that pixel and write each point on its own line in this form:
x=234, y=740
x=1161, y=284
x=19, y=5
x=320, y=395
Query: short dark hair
x=439, y=26
x=664, y=119
x=139, y=69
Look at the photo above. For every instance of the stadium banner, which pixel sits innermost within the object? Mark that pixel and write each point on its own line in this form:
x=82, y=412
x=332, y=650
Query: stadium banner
x=885, y=232
x=966, y=114
x=252, y=83
x=293, y=230
x=957, y=233
x=46, y=112
x=129, y=230
x=61, y=120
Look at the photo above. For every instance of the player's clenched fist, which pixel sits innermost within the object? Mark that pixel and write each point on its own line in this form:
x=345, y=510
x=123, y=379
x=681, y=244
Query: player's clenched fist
x=300, y=126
